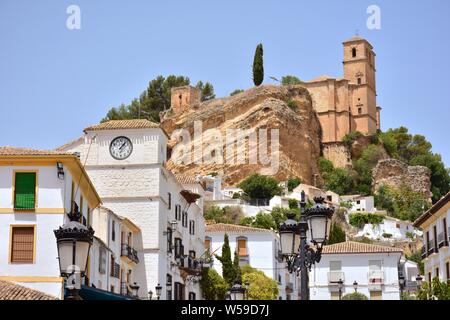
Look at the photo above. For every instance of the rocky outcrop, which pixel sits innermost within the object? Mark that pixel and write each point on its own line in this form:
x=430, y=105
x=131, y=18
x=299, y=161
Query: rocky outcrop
x=288, y=109
x=395, y=173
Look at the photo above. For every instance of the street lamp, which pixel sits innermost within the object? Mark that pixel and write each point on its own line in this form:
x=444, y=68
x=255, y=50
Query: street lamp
x=300, y=248
x=134, y=290
x=237, y=292
x=158, y=289
x=150, y=295
x=73, y=240
x=401, y=283
x=340, y=286
x=355, y=286
x=419, y=281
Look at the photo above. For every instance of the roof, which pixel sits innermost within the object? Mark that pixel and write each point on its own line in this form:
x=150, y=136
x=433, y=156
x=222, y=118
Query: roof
x=223, y=227
x=123, y=124
x=12, y=291
x=68, y=144
x=184, y=179
x=358, y=247
x=435, y=208
x=19, y=151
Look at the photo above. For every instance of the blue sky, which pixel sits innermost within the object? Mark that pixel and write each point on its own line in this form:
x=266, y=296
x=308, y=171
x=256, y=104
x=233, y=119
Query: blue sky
x=55, y=81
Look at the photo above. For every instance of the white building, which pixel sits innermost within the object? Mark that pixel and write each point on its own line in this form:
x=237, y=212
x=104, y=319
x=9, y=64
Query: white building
x=37, y=189
x=373, y=267
x=436, y=252
x=360, y=203
x=126, y=160
x=390, y=229
x=257, y=247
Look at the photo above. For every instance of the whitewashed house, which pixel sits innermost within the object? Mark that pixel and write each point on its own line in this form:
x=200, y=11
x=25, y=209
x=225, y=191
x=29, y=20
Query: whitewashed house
x=126, y=160
x=390, y=229
x=436, y=238
x=360, y=203
x=257, y=247
x=37, y=189
x=374, y=268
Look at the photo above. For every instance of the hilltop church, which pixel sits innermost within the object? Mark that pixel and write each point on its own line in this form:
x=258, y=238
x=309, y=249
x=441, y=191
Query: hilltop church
x=343, y=105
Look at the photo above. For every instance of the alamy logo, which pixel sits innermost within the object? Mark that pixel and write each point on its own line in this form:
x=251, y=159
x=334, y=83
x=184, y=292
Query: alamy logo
x=374, y=20
x=73, y=21
x=237, y=147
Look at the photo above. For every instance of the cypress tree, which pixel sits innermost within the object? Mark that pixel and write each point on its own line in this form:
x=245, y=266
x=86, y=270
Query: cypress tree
x=258, y=66
x=228, y=271
x=237, y=269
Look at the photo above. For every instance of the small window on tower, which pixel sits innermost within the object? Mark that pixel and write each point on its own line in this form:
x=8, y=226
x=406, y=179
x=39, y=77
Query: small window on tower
x=359, y=81
x=353, y=52
x=359, y=110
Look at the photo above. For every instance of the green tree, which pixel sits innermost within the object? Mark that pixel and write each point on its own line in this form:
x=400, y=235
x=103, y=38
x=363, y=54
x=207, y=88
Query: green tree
x=207, y=90
x=437, y=290
x=290, y=80
x=258, y=66
x=337, y=234
x=261, y=220
x=154, y=99
x=258, y=186
x=237, y=268
x=363, y=167
x=416, y=257
x=293, y=183
x=228, y=270
x=355, y=296
x=213, y=285
x=236, y=92
x=261, y=287
x=228, y=214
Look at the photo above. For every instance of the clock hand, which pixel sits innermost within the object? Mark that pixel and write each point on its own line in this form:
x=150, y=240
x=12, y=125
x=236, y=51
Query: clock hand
x=123, y=145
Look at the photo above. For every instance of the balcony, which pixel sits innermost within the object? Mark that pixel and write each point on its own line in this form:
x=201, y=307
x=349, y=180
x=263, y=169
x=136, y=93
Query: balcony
x=115, y=270
x=424, y=252
x=129, y=253
x=431, y=247
x=442, y=240
x=335, y=276
x=375, y=280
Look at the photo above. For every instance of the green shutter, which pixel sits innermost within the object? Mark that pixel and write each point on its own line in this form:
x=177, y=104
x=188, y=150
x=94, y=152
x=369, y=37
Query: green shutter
x=25, y=190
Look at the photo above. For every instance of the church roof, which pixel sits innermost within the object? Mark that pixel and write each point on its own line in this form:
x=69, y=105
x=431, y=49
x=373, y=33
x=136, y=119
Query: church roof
x=223, y=227
x=19, y=151
x=123, y=124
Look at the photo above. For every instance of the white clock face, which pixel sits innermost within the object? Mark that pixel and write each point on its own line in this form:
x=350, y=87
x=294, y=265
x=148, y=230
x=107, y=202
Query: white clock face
x=121, y=148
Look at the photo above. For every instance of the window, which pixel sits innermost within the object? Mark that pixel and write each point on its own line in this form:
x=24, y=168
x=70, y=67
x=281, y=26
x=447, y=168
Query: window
x=112, y=288
x=169, y=240
x=242, y=247
x=353, y=52
x=359, y=81
x=184, y=219
x=168, y=287
x=429, y=277
x=81, y=209
x=178, y=212
x=113, y=231
x=102, y=260
x=192, y=296
x=435, y=236
x=192, y=227
x=22, y=244
x=447, y=270
x=179, y=291
x=178, y=247
x=25, y=190
x=436, y=272
x=191, y=261
x=208, y=243
x=359, y=110
x=169, y=200
x=444, y=225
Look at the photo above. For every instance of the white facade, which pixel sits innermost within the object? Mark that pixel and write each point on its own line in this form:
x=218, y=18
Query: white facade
x=141, y=189
x=360, y=203
x=376, y=274
x=390, y=229
x=262, y=248
x=53, y=200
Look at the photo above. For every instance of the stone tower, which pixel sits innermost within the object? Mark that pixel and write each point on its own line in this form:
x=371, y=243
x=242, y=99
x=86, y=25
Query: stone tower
x=183, y=97
x=359, y=69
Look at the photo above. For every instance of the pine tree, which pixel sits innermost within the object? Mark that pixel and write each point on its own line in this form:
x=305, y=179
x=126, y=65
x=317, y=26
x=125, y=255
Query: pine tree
x=258, y=66
x=228, y=271
x=237, y=268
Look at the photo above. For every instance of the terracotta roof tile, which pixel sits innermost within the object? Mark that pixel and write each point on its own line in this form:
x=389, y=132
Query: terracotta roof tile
x=358, y=247
x=123, y=124
x=17, y=151
x=223, y=227
x=184, y=179
x=13, y=291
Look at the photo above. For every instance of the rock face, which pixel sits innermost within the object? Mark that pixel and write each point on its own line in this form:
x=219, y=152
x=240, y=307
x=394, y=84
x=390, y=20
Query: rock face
x=394, y=173
x=286, y=108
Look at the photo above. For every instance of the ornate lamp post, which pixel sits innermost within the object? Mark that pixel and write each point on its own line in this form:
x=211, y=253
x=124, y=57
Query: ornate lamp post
x=74, y=241
x=134, y=290
x=419, y=280
x=237, y=292
x=301, y=248
x=150, y=295
x=158, y=289
x=340, y=286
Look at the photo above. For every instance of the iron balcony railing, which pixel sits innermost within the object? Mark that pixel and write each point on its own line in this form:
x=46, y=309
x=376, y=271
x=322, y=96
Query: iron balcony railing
x=431, y=247
x=375, y=279
x=115, y=270
x=129, y=252
x=335, y=276
x=424, y=252
x=442, y=240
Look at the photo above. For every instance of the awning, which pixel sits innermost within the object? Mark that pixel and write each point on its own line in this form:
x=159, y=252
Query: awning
x=89, y=293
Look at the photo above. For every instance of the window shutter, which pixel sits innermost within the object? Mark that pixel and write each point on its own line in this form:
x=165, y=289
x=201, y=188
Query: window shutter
x=25, y=190
x=22, y=244
x=242, y=247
